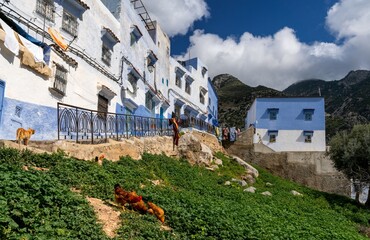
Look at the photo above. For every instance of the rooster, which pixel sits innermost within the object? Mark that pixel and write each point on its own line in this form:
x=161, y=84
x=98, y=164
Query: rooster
x=123, y=197
x=137, y=202
x=157, y=211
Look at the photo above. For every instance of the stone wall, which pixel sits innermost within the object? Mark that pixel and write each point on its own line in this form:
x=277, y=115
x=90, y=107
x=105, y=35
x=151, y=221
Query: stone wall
x=195, y=146
x=312, y=169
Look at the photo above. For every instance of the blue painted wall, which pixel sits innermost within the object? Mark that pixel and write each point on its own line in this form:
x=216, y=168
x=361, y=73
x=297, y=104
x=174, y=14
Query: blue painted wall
x=21, y=114
x=290, y=115
x=213, y=107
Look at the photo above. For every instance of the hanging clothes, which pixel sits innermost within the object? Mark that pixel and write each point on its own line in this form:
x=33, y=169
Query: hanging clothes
x=57, y=38
x=46, y=48
x=28, y=59
x=34, y=49
x=232, y=134
x=11, y=41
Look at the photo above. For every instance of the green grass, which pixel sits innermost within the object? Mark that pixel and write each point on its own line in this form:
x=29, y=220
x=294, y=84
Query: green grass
x=39, y=205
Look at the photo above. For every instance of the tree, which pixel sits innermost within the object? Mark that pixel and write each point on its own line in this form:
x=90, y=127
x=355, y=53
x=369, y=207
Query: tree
x=350, y=153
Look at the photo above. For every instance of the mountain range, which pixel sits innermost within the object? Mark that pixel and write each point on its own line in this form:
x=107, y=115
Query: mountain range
x=347, y=101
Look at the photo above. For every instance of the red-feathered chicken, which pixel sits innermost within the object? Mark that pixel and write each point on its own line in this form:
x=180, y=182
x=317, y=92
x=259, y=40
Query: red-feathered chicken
x=122, y=197
x=157, y=211
x=137, y=202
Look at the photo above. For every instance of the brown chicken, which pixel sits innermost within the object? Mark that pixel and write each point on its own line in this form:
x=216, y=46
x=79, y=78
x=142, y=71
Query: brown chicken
x=120, y=195
x=137, y=202
x=123, y=197
x=157, y=211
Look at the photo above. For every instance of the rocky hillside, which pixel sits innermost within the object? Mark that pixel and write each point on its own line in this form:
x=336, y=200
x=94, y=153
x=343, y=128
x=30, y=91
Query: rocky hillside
x=347, y=101
x=235, y=98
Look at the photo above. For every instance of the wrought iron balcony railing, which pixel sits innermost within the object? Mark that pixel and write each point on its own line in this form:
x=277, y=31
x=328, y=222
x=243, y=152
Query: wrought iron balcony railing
x=84, y=125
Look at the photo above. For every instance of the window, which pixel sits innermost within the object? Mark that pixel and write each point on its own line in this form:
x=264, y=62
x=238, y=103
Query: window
x=187, y=88
x=106, y=55
x=69, y=23
x=46, y=9
x=167, y=82
x=133, y=81
x=162, y=80
x=272, y=135
x=307, y=136
x=178, y=80
x=273, y=113
x=204, y=71
x=60, y=81
x=149, y=103
x=135, y=34
x=177, y=110
x=201, y=97
x=151, y=61
x=308, y=114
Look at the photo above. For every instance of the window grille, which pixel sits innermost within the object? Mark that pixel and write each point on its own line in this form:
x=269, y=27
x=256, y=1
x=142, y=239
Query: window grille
x=60, y=81
x=46, y=9
x=178, y=81
x=201, y=98
x=106, y=55
x=308, y=116
x=149, y=103
x=272, y=138
x=70, y=23
x=187, y=88
x=133, y=81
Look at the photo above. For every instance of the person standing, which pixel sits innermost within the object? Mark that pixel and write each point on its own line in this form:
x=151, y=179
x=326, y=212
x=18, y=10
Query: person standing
x=175, y=127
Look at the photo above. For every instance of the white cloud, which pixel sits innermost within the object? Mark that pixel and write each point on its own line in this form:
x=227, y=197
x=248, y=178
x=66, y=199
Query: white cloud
x=281, y=59
x=176, y=16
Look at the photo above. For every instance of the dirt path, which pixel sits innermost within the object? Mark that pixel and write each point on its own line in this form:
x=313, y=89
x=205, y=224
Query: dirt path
x=107, y=216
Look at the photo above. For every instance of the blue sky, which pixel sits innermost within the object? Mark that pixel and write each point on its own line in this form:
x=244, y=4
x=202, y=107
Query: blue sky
x=262, y=18
x=269, y=42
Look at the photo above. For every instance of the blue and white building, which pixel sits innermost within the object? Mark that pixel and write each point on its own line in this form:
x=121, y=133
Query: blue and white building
x=212, y=104
x=118, y=61
x=288, y=124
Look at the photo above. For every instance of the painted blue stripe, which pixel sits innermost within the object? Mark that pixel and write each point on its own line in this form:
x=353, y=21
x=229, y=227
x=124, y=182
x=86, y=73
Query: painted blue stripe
x=291, y=113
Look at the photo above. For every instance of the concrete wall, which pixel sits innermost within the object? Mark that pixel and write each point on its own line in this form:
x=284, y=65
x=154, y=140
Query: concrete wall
x=312, y=169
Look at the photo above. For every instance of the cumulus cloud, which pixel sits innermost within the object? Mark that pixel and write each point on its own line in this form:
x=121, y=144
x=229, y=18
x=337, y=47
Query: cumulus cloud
x=177, y=16
x=281, y=59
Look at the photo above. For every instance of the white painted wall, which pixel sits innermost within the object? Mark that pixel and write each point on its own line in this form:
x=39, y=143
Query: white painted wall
x=29, y=87
x=292, y=140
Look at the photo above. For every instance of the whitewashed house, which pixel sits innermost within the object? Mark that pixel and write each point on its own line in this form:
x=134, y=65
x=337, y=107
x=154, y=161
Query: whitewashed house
x=288, y=124
x=117, y=61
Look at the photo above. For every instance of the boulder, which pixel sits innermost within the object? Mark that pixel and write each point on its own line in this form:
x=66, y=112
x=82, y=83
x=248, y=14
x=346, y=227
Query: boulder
x=194, y=151
x=248, y=167
x=250, y=189
x=295, y=193
x=267, y=193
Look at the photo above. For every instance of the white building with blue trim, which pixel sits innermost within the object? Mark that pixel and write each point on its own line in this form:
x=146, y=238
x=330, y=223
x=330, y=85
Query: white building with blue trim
x=117, y=61
x=288, y=124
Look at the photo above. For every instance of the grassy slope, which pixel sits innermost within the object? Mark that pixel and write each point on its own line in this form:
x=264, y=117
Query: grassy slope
x=197, y=203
